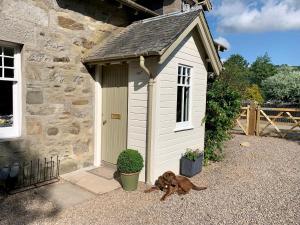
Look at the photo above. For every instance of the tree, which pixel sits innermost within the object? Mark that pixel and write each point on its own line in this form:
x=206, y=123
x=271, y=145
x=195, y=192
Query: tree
x=287, y=69
x=261, y=69
x=283, y=87
x=254, y=93
x=235, y=73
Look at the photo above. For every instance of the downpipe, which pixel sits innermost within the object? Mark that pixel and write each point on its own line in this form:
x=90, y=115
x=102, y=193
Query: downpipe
x=149, y=119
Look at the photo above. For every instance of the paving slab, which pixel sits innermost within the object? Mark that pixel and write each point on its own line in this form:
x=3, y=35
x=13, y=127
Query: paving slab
x=64, y=194
x=91, y=182
x=97, y=185
x=105, y=172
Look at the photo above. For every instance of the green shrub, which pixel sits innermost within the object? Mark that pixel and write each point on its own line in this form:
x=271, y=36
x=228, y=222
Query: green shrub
x=283, y=87
x=254, y=93
x=223, y=106
x=130, y=161
x=191, y=154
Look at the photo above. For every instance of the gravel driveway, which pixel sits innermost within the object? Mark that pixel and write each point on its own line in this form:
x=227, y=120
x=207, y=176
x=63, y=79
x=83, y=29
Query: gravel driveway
x=255, y=185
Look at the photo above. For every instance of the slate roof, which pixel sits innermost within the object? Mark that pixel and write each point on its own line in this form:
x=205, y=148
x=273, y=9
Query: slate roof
x=145, y=37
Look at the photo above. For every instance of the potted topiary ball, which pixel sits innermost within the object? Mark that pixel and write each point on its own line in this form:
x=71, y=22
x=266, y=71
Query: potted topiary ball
x=129, y=164
x=191, y=163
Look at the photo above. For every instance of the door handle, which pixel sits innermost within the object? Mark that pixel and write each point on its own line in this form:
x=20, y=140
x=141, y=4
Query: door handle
x=104, y=122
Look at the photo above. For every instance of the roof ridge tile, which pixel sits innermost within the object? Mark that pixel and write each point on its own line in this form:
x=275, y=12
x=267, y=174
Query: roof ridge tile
x=196, y=8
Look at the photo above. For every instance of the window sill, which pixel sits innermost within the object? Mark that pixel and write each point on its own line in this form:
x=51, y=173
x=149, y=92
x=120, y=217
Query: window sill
x=183, y=127
x=7, y=139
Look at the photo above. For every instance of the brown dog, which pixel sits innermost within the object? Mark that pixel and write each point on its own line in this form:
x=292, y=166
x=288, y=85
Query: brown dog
x=170, y=183
x=159, y=184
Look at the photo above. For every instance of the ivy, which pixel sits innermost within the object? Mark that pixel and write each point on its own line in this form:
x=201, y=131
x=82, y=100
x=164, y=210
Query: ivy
x=223, y=106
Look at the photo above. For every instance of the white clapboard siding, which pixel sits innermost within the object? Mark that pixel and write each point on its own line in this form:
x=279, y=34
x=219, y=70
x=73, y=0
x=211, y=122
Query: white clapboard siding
x=170, y=145
x=137, y=110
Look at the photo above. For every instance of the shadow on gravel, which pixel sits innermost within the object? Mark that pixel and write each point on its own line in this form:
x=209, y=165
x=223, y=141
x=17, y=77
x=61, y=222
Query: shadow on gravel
x=295, y=136
x=25, y=208
x=290, y=135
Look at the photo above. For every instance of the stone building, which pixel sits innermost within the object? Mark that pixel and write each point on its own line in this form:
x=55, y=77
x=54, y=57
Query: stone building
x=44, y=84
x=55, y=56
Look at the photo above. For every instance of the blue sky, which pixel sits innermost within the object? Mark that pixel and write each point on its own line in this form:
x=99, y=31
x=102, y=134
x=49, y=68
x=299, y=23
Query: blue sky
x=252, y=28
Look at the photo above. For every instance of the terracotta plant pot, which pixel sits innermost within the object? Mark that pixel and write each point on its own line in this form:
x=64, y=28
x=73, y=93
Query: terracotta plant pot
x=130, y=181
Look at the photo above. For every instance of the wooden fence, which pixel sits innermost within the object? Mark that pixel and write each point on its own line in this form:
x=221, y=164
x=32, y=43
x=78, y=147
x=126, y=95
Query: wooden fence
x=262, y=121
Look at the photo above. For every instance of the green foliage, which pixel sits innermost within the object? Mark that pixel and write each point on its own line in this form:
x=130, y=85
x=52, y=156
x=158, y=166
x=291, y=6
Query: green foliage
x=254, y=93
x=287, y=69
x=130, y=161
x=283, y=87
x=192, y=154
x=236, y=73
x=223, y=106
x=261, y=69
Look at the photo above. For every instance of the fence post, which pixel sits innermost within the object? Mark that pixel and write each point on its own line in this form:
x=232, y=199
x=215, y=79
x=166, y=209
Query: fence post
x=247, y=118
x=257, y=120
x=252, y=119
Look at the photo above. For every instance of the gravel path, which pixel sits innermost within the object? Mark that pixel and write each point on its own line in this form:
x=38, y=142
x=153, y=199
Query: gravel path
x=255, y=185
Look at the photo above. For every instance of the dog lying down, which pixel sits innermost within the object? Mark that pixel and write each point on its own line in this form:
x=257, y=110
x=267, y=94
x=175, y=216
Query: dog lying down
x=170, y=184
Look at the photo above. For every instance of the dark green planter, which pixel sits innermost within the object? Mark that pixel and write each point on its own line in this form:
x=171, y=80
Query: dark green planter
x=130, y=181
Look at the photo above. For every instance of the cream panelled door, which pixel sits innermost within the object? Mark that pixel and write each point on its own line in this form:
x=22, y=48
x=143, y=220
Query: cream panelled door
x=114, y=111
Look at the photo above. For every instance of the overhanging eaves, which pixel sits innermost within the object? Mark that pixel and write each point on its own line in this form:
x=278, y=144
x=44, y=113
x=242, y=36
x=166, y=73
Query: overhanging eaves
x=205, y=37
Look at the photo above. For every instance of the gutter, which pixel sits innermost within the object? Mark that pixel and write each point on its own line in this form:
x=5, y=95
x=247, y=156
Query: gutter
x=118, y=57
x=149, y=119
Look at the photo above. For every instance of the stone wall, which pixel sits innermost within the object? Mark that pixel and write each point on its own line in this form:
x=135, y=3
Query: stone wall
x=58, y=90
x=170, y=6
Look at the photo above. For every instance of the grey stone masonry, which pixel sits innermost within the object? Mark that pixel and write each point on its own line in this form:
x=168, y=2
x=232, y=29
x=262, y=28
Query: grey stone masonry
x=58, y=91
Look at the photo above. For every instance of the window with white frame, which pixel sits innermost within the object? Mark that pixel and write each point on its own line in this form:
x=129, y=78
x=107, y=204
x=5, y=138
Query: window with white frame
x=10, y=84
x=183, y=96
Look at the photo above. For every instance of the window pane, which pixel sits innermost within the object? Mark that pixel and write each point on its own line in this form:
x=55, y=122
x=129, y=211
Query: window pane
x=183, y=80
x=178, y=80
x=1, y=72
x=9, y=51
x=9, y=73
x=0, y=61
x=179, y=70
x=184, y=71
x=9, y=62
x=188, y=71
x=179, y=104
x=6, y=103
x=188, y=80
x=186, y=104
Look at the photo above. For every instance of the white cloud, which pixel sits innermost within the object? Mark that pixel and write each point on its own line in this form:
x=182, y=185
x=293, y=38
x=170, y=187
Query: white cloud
x=258, y=16
x=223, y=41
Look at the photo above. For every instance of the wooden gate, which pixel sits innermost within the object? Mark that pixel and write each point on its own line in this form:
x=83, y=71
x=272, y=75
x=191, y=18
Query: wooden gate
x=242, y=117
x=281, y=120
x=260, y=121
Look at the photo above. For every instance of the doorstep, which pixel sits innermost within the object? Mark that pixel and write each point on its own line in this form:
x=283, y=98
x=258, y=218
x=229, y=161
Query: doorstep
x=97, y=180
